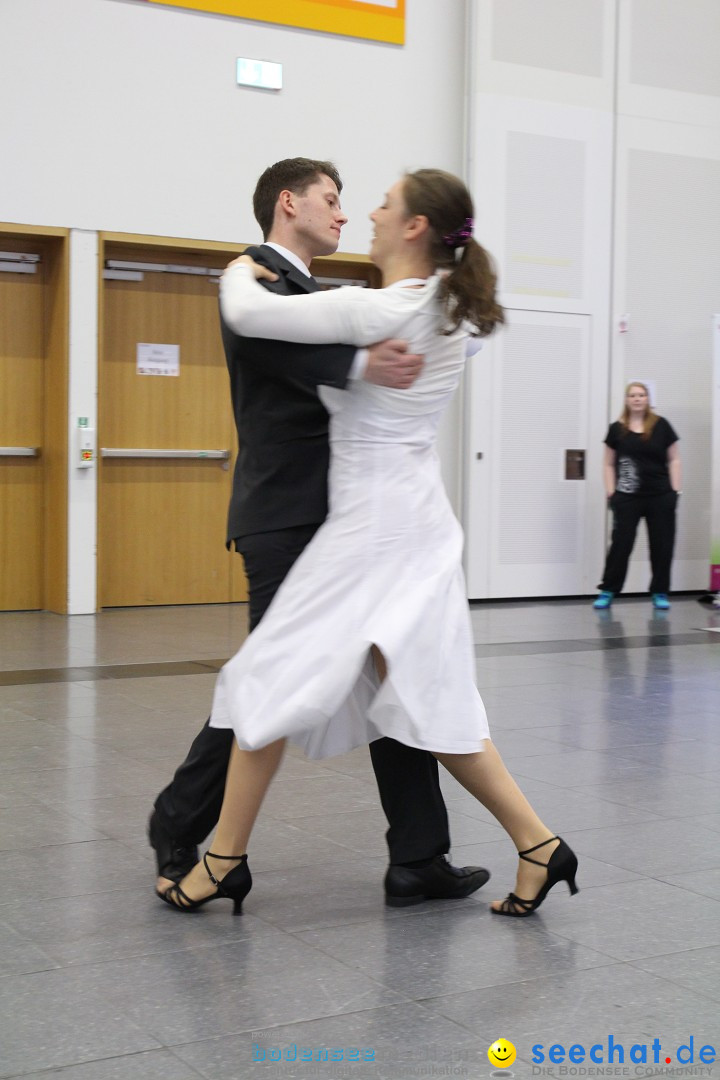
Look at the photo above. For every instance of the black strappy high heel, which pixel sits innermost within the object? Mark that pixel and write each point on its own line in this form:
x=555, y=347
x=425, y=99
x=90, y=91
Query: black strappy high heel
x=234, y=886
x=562, y=866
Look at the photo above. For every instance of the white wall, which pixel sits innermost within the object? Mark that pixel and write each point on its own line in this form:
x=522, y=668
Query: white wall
x=667, y=243
x=541, y=168
x=612, y=108
x=122, y=116
x=125, y=116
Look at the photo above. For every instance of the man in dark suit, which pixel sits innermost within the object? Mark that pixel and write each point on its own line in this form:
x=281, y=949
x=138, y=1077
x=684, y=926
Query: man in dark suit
x=279, y=500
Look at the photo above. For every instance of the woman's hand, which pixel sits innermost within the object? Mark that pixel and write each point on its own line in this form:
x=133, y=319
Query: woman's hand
x=260, y=272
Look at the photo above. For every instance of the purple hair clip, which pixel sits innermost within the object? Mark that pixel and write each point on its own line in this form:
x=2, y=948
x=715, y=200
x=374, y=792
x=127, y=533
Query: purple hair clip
x=460, y=237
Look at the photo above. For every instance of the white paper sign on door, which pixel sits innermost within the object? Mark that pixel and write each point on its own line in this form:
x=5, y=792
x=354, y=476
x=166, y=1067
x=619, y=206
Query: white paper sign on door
x=158, y=359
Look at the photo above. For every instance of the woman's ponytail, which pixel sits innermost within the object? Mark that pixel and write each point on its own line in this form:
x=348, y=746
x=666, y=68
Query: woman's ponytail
x=468, y=287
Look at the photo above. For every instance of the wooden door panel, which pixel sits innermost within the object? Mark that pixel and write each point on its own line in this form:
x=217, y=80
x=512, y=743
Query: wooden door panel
x=163, y=532
x=21, y=425
x=162, y=522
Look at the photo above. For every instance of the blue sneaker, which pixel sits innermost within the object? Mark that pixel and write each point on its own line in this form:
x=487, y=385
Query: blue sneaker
x=660, y=601
x=604, y=601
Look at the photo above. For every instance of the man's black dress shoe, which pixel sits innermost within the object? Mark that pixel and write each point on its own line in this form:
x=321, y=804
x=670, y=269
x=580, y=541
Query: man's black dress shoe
x=174, y=860
x=438, y=881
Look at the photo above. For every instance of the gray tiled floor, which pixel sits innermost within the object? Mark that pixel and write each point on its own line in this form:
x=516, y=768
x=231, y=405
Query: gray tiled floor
x=611, y=723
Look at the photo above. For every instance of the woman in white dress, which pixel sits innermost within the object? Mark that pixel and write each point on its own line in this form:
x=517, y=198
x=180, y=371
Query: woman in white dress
x=369, y=635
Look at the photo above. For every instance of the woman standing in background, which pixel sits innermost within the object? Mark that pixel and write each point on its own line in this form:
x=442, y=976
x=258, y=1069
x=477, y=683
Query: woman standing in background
x=642, y=476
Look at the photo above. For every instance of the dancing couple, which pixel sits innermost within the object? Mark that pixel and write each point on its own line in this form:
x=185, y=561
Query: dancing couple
x=368, y=639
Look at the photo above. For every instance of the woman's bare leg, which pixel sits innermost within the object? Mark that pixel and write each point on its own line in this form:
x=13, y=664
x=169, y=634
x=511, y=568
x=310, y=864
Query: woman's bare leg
x=379, y=661
x=485, y=776
x=248, y=778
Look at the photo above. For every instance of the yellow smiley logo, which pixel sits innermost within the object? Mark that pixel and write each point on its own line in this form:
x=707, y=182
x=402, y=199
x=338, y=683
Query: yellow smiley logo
x=502, y=1053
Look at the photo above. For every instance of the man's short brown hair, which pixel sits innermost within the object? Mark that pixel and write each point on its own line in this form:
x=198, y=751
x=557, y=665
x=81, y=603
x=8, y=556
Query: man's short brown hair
x=293, y=174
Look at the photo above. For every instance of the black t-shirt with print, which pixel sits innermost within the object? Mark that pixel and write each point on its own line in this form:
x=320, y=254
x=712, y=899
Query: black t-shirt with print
x=641, y=466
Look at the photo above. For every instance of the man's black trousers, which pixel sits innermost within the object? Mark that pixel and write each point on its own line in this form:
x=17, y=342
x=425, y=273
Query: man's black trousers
x=407, y=778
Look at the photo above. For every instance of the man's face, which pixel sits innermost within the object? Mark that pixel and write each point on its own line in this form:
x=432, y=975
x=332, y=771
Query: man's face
x=319, y=218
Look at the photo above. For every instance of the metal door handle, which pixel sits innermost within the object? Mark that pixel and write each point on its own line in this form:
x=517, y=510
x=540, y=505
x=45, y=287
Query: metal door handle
x=132, y=452
x=19, y=451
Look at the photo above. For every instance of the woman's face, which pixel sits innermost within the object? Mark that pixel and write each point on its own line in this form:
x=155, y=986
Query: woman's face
x=637, y=400
x=389, y=220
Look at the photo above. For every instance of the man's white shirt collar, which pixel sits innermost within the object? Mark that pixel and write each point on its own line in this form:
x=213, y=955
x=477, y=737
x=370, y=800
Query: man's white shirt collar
x=290, y=256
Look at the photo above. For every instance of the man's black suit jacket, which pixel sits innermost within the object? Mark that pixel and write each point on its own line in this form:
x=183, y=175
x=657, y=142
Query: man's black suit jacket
x=281, y=471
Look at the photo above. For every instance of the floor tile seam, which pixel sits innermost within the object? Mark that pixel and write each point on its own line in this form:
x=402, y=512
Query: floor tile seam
x=691, y=814
x=7, y=905
x=393, y=915
x=689, y=888
x=612, y=962
x=296, y=817
x=341, y=857
x=564, y=785
x=595, y=749
x=457, y=808
x=108, y=673
x=677, y=952
x=558, y=745
x=650, y=817
x=52, y=1070
x=353, y=853
x=644, y=876
x=347, y=924
x=63, y=737
x=596, y=790
x=50, y=802
x=25, y=848
x=168, y=1050
x=68, y=808
x=638, y=960
x=287, y=1024
x=334, y=1014
x=113, y=891
x=619, y=961
x=704, y=995
x=326, y=775
x=32, y=971
x=355, y=969
x=120, y=672
x=296, y=820
x=550, y=751
x=591, y=789
x=74, y=968
x=368, y=860
x=573, y=646
x=709, y=833
x=320, y=763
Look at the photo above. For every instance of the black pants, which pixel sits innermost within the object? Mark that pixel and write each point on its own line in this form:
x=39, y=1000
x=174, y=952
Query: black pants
x=659, y=514
x=407, y=778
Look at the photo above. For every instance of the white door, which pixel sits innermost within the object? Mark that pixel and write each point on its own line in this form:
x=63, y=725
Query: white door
x=527, y=507
x=667, y=288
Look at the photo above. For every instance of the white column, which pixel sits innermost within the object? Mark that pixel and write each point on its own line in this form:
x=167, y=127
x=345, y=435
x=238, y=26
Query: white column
x=82, y=405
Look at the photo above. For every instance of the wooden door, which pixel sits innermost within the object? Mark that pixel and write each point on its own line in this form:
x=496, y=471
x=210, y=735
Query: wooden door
x=162, y=519
x=22, y=363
